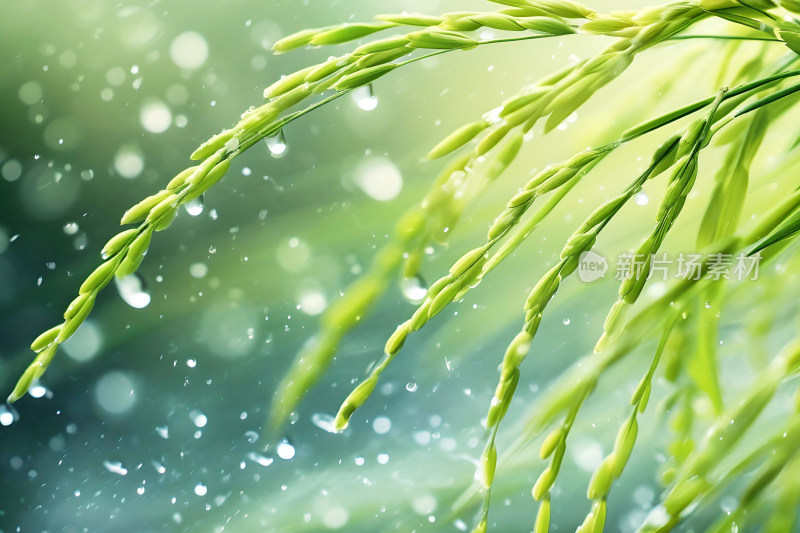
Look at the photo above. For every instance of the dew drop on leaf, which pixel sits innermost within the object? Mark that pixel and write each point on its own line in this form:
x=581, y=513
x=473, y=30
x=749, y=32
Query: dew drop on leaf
x=195, y=207
x=365, y=98
x=413, y=289
x=277, y=144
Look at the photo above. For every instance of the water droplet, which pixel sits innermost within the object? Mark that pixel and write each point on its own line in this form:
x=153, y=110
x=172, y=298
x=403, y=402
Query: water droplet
x=195, y=207
x=383, y=458
x=189, y=50
x=260, y=459
x=163, y=431
x=566, y=321
x=85, y=343
x=6, y=416
x=381, y=425
x=251, y=436
x=158, y=466
x=423, y=438
x=312, y=302
x=285, y=450
x=411, y=386
x=336, y=518
x=379, y=178
x=132, y=289
x=365, y=98
x=155, y=116
x=413, y=289
x=115, y=467
x=115, y=392
x=191, y=363
x=198, y=270
x=200, y=489
x=424, y=505
x=493, y=115
x=277, y=144
x=198, y=418
x=212, y=250
x=37, y=390
x=71, y=228
x=140, y=491
x=641, y=198
x=323, y=421
x=129, y=161
x=232, y=145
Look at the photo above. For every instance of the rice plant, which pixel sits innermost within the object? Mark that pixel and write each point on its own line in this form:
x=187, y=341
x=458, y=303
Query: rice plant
x=705, y=452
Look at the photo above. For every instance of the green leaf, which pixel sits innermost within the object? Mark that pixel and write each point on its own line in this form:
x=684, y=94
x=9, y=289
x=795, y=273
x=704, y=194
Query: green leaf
x=784, y=231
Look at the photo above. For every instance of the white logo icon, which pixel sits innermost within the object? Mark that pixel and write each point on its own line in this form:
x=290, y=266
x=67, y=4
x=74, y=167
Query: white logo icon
x=592, y=266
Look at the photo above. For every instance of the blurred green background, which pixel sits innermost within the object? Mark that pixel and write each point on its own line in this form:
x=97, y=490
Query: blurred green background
x=150, y=418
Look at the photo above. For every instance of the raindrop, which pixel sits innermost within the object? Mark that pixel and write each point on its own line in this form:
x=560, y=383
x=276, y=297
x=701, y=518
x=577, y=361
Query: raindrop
x=30, y=92
x=85, y=343
x=195, y=207
x=277, y=144
x=163, y=431
x=323, y=421
x=379, y=178
x=11, y=170
x=312, y=302
x=383, y=458
x=71, y=228
x=365, y=98
x=260, y=459
x=198, y=270
x=411, y=386
x=285, y=450
x=642, y=198
x=132, y=290
x=115, y=467
x=413, y=289
x=381, y=425
x=566, y=321
x=200, y=489
x=336, y=518
x=251, y=436
x=155, y=116
x=423, y=438
x=6, y=416
x=37, y=391
x=199, y=419
x=189, y=50
x=81, y=241
x=129, y=161
x=158, y=466
x=115, y=392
